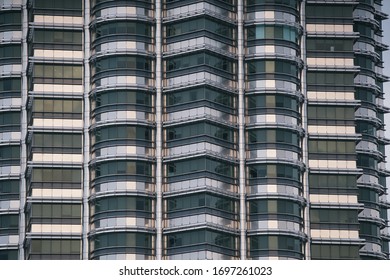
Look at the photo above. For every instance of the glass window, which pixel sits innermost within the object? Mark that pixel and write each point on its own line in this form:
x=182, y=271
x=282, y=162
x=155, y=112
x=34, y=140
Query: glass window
x=333, y=251
x=200, y=129
x=58, y=4
x=199, y=237
x=57, y=73
x=121, y=203
x=274, y=242
x=276, y=101
x=200, y=93
x=56, y=211
x=370, y=229
x=183, y=167
x=122, y=97
x=272, y=66
x=123, y=240
x=55, y=247
x=332, y=146
x=273, y=206
x=330, y=78
x=47, y=36
x=366, y=161
x=198, y=24
x=9, y=189
x=334, y=216
x=368, y=195
x=330, y=45
x=365, y=62
x=10, y=20
x=10, y=51
x=9, y=153
x=123, y=168
x=8, y=222
x=122, y=132
x=365, y=128
x=332, y=183
x=365, y=95
x=57, y=140
x=341, y=113
x=273, y=136
x=364, y=29
x=57, y=107
x=48, y=175
x=195, y=201
x=127, y=62
x=10, y=121
x=268, y=171
x=203, y=58
x=10, y=84
x=329, y=11
x=123, y=27
x=291, y=3
x=287, y=33
x=8, y=254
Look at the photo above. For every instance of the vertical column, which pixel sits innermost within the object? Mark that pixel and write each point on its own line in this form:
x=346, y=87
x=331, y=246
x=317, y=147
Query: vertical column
x=384, y=202
x=86, y=124
x=241, y=127
x=23, y=151
x=159, y=205
x=305, y=153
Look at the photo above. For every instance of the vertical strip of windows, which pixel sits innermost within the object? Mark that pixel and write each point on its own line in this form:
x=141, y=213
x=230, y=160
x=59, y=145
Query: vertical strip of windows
x=330, y=127
x=122, y=129
x=200, y=128
x=274, y=159
x=368, y=49
x=159, y=204
x=54, y=138
x=11, y=129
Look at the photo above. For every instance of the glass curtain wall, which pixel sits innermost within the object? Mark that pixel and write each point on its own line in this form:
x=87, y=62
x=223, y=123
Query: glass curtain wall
x=200, y=184
x=273, y=109
x=10, y=127
x=122, y=131
x=54, y=130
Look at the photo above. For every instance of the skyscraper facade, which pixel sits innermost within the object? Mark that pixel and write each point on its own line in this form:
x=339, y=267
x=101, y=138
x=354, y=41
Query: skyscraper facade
x=192, y=129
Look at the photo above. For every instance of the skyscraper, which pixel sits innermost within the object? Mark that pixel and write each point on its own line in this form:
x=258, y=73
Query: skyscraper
x=192, y=129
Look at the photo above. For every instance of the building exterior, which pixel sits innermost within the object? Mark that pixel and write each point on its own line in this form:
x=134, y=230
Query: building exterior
x=192, y=129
